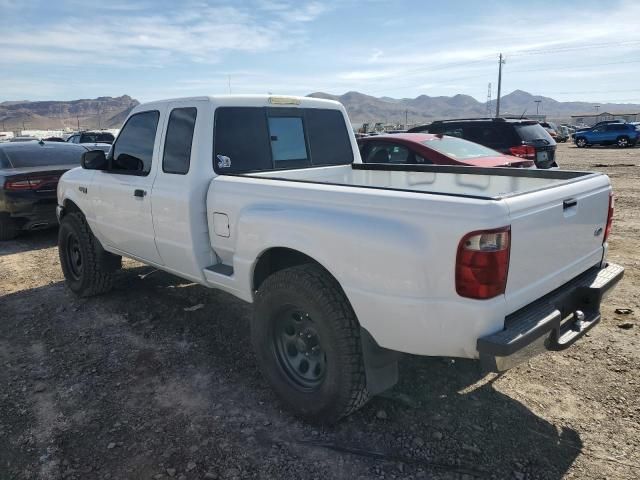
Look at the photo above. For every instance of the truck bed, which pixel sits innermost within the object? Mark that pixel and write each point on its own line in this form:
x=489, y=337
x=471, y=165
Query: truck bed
x=402, y=224
x=460, y=181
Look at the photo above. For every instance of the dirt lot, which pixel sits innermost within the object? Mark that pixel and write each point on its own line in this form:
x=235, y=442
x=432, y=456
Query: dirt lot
x=132, y=386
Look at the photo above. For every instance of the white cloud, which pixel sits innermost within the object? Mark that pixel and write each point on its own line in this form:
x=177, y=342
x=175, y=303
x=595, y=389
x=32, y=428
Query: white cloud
x=201, y=33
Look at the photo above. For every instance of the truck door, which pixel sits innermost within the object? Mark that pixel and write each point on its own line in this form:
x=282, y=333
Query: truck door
x=123, y=201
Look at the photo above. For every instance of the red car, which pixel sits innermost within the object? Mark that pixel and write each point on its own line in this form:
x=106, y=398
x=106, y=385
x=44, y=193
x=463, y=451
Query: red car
x=436, y=149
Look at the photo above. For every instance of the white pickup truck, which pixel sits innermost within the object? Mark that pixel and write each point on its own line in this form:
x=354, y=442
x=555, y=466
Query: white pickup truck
x=347, y=264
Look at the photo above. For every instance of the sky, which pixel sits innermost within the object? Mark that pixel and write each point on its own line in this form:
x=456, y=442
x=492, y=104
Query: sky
x=570, y=50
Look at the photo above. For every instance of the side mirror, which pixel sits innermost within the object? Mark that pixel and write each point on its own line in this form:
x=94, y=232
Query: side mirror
x=94, y=160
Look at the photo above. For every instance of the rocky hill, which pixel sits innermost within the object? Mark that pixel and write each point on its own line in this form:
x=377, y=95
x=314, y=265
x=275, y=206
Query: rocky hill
x=365, y=108
x=110, y=112
x=101, y=112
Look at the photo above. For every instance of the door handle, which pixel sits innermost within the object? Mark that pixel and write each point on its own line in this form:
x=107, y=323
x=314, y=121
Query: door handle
x=571, y=202
x=139, y=193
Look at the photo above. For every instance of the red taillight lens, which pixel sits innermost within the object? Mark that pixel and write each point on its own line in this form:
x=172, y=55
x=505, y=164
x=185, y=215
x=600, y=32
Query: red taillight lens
x=607, y=230
x=31, y=183
x=17, y=185
x=523, y=151
x=482, y=263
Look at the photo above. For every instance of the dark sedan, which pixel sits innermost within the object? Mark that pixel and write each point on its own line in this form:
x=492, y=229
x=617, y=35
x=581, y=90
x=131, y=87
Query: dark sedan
x=425, y=148
x=29, y=174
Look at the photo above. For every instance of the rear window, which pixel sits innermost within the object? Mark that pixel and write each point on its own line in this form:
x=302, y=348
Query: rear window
x=42, y=155
x=458, y=148
x=267, y=138
x=530, y=132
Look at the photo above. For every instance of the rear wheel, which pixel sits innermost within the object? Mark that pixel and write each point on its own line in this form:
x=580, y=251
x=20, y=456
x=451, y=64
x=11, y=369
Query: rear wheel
x=307, y=342
x=84, y=270
x=581, y=142
x=622, y=142
x=8, y=227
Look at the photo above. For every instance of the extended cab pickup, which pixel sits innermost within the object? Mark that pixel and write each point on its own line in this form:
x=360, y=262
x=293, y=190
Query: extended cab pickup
x=347, y=264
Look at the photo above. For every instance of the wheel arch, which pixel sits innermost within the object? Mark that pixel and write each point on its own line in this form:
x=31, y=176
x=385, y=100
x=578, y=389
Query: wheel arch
x=274, y=259
x=381, y=364
x=69, y=206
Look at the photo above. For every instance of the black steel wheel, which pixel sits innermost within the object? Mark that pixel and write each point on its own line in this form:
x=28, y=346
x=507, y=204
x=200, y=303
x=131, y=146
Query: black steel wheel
x=298, y=348
x=73, y=256
x=307, y=343
x=86, y=266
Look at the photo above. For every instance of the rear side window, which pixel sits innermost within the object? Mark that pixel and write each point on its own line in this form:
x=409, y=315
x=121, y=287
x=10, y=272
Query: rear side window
x=177, y=146
x=382, y=152
x=36, y=155
x=105, y=138
x=133, y=151
x=266, y=138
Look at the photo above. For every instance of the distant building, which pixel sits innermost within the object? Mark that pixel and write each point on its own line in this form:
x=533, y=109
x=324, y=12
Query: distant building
x=592, y=119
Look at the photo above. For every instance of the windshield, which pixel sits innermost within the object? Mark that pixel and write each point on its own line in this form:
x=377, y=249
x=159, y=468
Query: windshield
x=36, y=155
x=459, y=148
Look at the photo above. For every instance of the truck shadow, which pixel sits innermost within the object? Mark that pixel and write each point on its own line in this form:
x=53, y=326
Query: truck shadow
x=170, y=350
x=28, y=241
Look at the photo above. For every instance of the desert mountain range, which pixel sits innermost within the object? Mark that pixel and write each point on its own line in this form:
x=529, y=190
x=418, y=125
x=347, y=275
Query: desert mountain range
x=110, y=112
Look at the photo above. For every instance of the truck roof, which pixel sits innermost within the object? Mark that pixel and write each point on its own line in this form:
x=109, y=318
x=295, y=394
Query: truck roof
x=250, y=101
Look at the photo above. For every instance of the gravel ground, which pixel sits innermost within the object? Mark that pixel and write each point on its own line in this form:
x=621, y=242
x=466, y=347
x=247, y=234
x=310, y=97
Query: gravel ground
x=131, y=385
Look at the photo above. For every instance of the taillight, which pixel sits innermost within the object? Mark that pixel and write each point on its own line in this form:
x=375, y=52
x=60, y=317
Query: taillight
x=523, y=151
x=482, y=263
x=31, y=183
x=607, y=230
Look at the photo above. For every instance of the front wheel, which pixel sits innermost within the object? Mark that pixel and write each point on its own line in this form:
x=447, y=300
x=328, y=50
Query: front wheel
x=307, y=343
x=622, y=142
x=581, y=142
x=80, y=257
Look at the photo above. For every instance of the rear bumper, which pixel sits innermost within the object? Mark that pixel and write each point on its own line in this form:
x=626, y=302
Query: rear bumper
x=553, y=322
x=30, y=210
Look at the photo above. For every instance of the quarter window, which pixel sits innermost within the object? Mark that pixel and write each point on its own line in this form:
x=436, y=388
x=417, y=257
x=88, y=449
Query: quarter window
x=177, y=146
x=133, y=151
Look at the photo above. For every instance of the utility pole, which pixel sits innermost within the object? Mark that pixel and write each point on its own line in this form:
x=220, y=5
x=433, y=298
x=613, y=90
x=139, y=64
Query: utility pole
x=538, y=102
x=500, y=63
x=597, y=107
x=229, y=81
x=78, y=121
x=406, y=119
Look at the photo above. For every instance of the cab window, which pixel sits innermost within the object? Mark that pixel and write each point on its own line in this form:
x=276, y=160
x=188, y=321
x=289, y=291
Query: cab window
x=267, y=138
x=133, y=151
x=177, y=146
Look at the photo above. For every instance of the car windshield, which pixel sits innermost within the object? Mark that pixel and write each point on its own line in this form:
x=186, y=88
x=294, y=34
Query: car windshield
x=42, y=155
x=459, y=148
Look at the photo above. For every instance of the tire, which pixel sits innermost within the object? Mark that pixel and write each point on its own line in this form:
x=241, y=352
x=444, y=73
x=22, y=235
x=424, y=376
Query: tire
x=623, y=142
x=85, y=272
x=8, y=228
x=581, y=142
x=302, y=315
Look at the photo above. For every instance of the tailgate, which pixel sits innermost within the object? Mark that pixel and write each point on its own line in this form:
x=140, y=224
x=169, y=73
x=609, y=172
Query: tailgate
x=556, y=234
